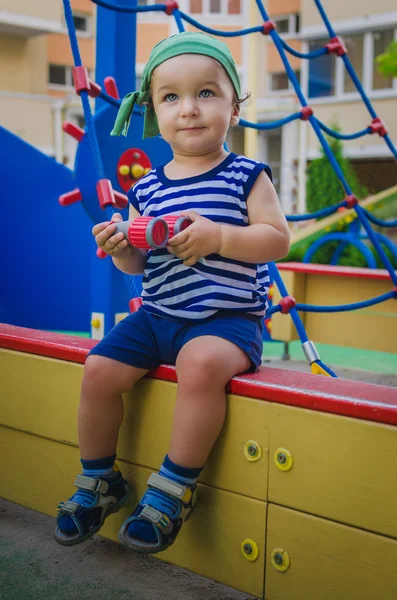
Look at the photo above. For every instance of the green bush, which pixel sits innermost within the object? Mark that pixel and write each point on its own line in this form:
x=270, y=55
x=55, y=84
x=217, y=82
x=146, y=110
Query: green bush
x=323, y=187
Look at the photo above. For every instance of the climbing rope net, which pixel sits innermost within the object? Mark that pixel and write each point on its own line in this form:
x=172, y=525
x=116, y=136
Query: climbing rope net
x=110, y=199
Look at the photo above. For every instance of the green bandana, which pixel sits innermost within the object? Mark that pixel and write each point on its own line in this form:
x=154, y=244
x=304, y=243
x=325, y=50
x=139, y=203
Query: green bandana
x=181, y=43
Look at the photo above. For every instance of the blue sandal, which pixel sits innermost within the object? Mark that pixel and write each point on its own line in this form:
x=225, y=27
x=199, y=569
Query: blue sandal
x=110, y=497
x=165, y=511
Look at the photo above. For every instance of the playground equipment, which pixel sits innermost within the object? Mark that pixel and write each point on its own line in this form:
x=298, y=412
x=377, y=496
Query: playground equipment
x=371, y=326
x=296, y=501
x=318, y=230
x=297, y=498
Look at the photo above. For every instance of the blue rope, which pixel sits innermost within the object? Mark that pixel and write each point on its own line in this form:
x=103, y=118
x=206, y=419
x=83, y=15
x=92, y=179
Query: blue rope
x=178, y=20
x=185, y=17
x=272, y=125
x=130, y=9
x=379, y=222
x=353, y=75
x=72, y=33
x=375, y=242
x=326, y=369
x=325, y=212
x=342, y=136
x=92, y=137
x=308, y=55
x=345, y=307
x=324, y=17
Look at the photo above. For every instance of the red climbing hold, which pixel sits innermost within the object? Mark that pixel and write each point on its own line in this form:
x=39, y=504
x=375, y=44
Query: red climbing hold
x=336, y=46
x=83, y=83
x=351, y=201
x=70, y=198
x=306, y=113
x=286, y=304
x=111, y=87
x=171, y=5
x=108, y=196
x=73, y=130
x=268, y=26
x=377, y=126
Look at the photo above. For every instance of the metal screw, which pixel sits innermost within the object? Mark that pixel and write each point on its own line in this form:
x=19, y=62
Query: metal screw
x=252, y=450
x=278, y=559
x=281, y=458
x=248, y=549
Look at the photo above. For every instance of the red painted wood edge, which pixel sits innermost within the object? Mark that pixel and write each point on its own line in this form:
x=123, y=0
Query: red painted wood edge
x=325, y=394
x=334, y=271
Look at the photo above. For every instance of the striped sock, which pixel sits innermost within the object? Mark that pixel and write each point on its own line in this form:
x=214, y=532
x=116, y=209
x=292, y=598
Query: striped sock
x=101, y=468
x=143, y=530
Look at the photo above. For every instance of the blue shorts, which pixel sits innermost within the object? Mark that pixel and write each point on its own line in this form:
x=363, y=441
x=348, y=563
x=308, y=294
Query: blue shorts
x=145, y=340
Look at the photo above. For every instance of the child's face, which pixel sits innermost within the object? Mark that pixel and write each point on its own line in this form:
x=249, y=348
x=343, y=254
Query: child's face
x=194, y=103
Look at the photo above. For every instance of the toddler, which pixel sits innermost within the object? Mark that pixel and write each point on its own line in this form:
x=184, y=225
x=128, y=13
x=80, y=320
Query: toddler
x=204, y=295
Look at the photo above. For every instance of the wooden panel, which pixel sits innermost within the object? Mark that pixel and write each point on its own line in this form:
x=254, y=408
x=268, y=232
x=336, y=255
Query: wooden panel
x=328, y=561
x=344, y=469
x=374, y=327
x=38, y=473
x=44, y=401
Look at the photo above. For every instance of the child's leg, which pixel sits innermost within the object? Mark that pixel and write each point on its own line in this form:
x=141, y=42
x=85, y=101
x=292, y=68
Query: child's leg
x=101, y=489
x=101, y=407
x=204, y=366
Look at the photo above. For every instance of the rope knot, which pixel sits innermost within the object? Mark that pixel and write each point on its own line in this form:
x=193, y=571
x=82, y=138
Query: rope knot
x=287, y=303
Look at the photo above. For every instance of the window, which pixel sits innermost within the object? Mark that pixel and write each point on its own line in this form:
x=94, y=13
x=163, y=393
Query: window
x=57, y=74
x=282, y=25
x=321, y=72
x=279, y=81
x=328, y=76
x=82, y=22
x=215, y=7
x=196, y=6
x=287, y=24
x=381, y=40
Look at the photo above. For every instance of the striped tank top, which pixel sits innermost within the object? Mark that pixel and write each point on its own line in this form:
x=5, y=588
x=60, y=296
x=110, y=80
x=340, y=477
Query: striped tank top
x=174, y=290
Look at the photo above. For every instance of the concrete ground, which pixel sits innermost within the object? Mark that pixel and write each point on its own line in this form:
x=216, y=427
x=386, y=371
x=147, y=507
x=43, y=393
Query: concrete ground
x=34, y=567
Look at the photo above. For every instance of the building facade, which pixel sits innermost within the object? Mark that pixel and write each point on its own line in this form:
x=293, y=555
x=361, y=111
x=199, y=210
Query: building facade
x=37, y=95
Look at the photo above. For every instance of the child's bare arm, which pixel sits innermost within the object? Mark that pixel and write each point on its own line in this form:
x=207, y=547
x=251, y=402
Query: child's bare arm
x=125, y=257
x=267, y=238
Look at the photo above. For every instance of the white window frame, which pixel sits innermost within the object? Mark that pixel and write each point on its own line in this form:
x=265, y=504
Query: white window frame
x=368, y=65
x=291, y=18
x=82, y=34
x=69, y=85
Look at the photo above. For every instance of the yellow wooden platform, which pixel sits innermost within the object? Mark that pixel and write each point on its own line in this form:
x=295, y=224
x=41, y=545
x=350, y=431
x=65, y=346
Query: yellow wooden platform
x=370, y=328
x=317, y=499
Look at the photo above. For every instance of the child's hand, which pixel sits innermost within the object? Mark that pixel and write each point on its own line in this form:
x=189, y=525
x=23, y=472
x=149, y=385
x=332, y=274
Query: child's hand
x=114, y=245
x=201, y=238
